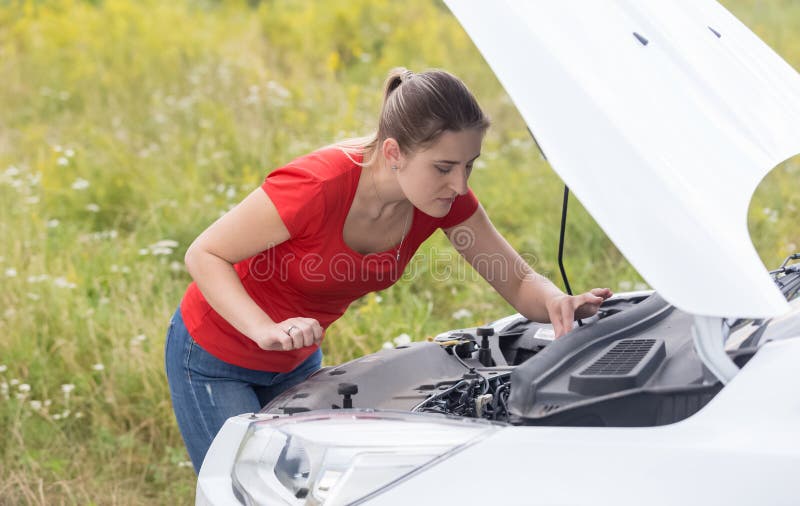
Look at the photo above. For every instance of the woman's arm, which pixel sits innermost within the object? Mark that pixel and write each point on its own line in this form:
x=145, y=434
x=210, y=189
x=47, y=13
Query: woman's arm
x=254, y=225
x=530, y=293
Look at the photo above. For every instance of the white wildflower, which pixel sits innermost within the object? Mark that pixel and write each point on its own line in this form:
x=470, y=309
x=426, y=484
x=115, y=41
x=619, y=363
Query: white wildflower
x=3, y=368
x=641, y=286
x=625, y=285
x=185, y=463
x=67, y=388
x=36, y=405
x=33, y=199
x=70, y=153
x=33, y=296
x=52, y=223
x=62, y=282
x=114, y=268
x=79, y=415
x=277, y=89
x=378, y=299
x=165, y=243
x=136, y=340
x=402, y=340
x=24, y=387
x=175, y=266
x=144, y=251
x=462, y=313
x=57, y=416
x=38, y=279
x=11, y=171
x=57, y=148
x=98, y=367
x=93, y=208
x=10, y=273
x=161, y=251
x=65, y=413
x=387, y=345
x=47, y=403
x=62, y=161
x=103, y=301
x=13, y=382
x=80, y=184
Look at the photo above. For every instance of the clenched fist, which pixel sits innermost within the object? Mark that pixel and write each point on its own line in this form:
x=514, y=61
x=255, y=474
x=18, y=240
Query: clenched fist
x=290, y=334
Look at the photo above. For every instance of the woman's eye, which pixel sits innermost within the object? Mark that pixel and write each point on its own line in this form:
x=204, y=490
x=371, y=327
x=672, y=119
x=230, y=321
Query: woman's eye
x=442, y=169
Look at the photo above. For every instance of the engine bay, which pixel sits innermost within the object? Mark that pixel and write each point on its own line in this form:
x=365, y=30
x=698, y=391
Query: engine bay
x=632, y=364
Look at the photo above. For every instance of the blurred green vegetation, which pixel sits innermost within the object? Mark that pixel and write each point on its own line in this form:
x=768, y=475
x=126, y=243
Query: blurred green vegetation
x=126, y=127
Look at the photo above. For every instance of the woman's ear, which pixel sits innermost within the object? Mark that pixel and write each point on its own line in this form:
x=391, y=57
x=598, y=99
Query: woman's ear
x=391, y=152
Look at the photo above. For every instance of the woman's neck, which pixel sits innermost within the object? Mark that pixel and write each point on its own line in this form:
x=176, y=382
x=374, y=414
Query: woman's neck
x=379, y=190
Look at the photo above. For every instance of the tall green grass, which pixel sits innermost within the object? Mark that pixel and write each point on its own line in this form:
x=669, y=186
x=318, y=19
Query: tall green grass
x=126, y=127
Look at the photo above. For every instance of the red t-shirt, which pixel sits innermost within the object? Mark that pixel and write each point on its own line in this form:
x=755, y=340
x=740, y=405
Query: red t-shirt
x=314, y=274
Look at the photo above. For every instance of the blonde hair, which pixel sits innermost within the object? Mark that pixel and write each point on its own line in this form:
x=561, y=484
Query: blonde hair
x=416, y=110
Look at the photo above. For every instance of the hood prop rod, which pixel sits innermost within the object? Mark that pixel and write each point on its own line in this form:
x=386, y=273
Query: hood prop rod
x=561, y=243
x=563, y=225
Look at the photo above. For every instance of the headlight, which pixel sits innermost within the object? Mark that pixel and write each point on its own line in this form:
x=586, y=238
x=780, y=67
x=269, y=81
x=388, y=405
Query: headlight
x=338, y=456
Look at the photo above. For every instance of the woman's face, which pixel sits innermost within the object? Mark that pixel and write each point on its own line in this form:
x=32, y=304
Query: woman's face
x=432, y=178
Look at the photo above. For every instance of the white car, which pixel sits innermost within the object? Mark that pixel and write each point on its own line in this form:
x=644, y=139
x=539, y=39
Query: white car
x=662, y=117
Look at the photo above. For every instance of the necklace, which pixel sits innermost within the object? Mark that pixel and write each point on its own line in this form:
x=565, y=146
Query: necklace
x=399, y=247
x=405, y=222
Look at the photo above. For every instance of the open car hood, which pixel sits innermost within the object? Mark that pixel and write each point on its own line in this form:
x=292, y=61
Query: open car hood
x=662, y=117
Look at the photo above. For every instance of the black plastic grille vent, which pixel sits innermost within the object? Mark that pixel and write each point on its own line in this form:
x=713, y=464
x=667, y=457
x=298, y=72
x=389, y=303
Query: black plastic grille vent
x=625, y=364
x=621, y=359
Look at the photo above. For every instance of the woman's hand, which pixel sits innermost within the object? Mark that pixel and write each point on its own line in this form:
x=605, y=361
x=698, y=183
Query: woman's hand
x=290, y=334
x=565, y=309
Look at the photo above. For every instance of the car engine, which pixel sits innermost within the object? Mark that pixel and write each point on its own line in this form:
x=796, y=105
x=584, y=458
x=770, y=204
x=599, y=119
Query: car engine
x=632, y=364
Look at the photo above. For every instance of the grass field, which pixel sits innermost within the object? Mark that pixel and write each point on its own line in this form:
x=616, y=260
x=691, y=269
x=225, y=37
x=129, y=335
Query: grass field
x=126, y=127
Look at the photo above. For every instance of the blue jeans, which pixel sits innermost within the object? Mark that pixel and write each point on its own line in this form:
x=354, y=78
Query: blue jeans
x=206, y=391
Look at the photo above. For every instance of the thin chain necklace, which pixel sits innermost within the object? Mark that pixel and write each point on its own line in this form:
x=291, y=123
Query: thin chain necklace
x=405, y=222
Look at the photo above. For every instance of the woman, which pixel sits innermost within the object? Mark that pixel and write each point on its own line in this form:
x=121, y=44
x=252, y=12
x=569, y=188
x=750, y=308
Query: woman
x=275, y=271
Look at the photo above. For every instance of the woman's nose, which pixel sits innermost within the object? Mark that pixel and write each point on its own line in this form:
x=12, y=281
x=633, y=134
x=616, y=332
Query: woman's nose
x=458, y=182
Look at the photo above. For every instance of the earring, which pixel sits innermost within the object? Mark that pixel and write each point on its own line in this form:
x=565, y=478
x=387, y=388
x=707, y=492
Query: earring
x=394, y=167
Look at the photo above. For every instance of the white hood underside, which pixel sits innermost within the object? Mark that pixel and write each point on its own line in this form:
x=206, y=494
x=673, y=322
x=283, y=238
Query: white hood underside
x=664, y=143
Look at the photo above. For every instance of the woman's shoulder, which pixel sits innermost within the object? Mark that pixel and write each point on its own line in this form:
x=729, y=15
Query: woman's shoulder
x=327, y=163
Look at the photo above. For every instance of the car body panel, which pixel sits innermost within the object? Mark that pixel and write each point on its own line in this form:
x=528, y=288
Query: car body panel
x=741, y=448
x=663, y=137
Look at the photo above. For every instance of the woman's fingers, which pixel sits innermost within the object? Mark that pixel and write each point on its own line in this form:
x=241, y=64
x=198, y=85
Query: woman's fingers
x=284, y=342
x=567, y=315
x=601, y=292
x=302, y=332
